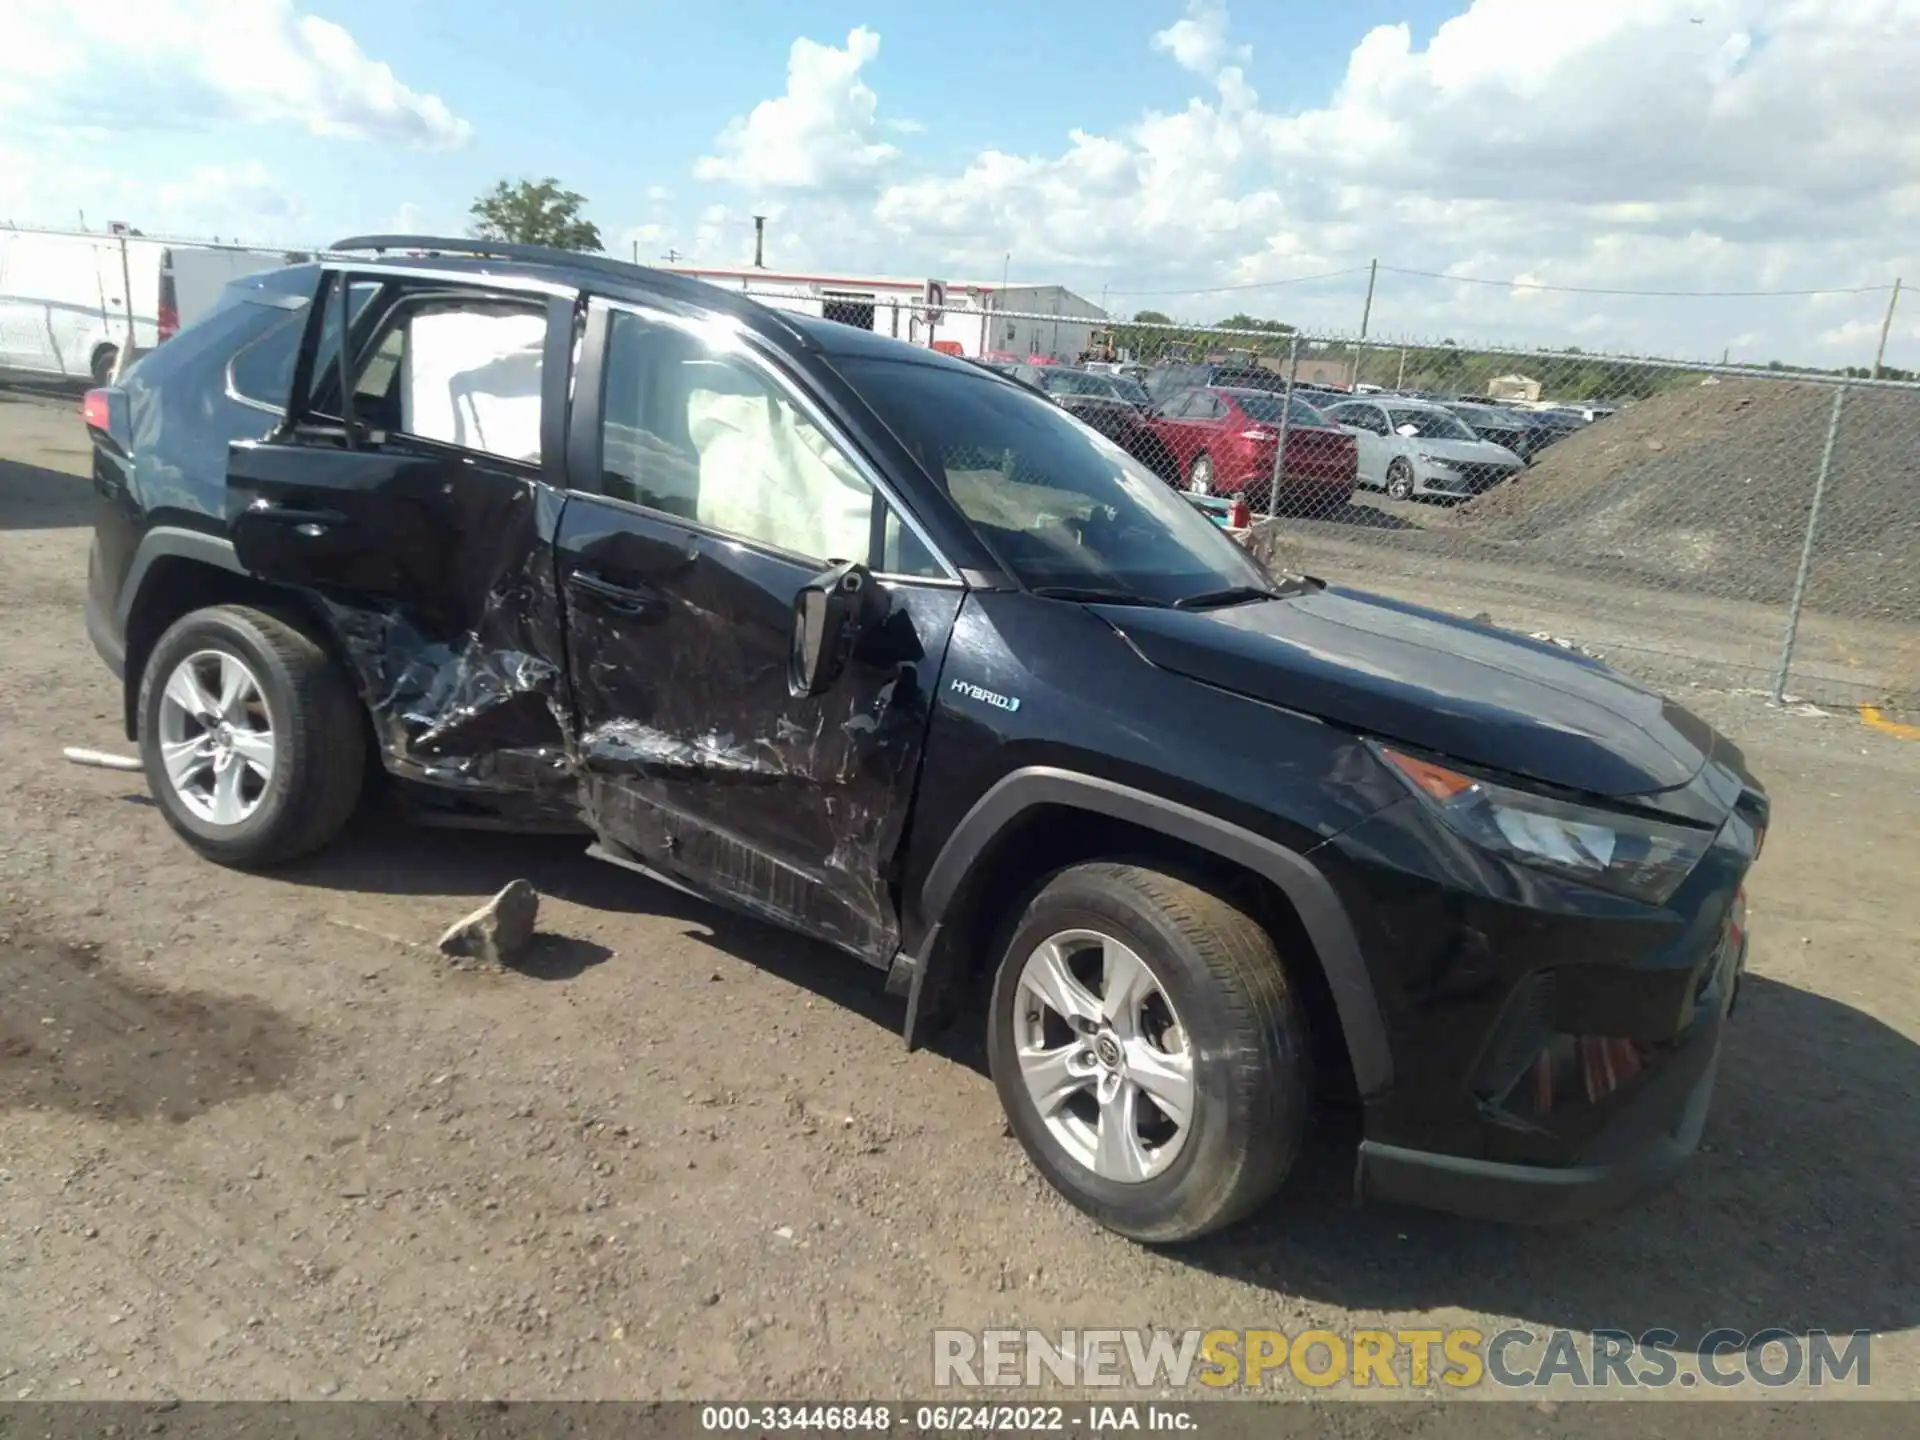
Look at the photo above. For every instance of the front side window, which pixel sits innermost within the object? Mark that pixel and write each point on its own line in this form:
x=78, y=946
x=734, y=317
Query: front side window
x=1061, y=507
x=690, y=427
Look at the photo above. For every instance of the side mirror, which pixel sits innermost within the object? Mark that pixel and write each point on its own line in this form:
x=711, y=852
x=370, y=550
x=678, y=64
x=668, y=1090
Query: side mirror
x=828, y=615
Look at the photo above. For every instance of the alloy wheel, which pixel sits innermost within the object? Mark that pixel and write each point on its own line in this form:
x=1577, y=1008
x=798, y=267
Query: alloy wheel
x=1104, y=1056
x=216, y=737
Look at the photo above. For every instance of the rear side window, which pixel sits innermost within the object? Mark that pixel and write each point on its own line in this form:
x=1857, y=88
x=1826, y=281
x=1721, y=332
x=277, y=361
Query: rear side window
x=262, y=373
x=460, y=371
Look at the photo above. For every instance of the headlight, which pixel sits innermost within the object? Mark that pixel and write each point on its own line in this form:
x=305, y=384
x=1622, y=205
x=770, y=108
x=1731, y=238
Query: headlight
x=1628, y=854
x=1436, y=462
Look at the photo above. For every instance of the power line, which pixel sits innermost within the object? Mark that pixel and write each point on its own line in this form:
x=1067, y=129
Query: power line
x=1253, y=285
x=1650, y=294
x=1511, y=285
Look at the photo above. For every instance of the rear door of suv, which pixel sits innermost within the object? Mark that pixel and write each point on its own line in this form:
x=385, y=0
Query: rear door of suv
x=414, y=486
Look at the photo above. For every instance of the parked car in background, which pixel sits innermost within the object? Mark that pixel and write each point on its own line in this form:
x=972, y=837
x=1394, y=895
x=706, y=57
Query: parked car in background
x=1132, y=370
x=1096, y=399
x=1413, y=449
x=1517, y=430
x=1564, y=420
x=69, y=298
x=1169, y=379
x=1222, y=441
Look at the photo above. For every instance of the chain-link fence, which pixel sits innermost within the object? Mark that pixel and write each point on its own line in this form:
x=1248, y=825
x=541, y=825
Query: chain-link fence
x=1693, y=523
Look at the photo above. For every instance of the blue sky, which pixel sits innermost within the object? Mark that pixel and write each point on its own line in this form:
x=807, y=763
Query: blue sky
x=1186, y=155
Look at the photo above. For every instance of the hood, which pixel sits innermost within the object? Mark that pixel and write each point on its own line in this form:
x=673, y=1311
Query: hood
x=1425, y=678
x=1468, y=452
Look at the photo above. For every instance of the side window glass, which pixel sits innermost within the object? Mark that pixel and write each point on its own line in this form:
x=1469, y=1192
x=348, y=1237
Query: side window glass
x=693, y=430
x=263, y=370
x=459, y=372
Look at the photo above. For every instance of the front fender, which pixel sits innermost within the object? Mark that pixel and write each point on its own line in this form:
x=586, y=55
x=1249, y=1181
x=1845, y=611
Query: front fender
x=1293, y=873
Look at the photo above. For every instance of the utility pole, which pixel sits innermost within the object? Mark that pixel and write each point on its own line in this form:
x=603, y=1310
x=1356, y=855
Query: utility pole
x=1366, y=315
x=759, y=242
x=672, y=257
x=1886, y=325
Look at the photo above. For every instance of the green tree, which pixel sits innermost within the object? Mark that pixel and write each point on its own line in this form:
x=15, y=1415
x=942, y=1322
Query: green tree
x=530, y=212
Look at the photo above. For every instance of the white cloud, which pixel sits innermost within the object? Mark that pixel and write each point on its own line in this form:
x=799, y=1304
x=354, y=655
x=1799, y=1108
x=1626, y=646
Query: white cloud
x=109, y=65
x=243, y=201
x=821, y=135
x=1774, y=145
x=1197, y=41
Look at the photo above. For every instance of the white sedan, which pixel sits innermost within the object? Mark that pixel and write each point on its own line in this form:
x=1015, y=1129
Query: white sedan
x=1409, y=448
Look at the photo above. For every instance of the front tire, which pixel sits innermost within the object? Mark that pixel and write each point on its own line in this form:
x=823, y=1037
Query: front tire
x=1200, y=476
x=1148, y=1050
x=251, y=737
x=1400, y=480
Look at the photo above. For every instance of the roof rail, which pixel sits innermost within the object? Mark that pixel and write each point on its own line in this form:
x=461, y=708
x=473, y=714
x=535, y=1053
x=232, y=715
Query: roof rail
x=488, y=249
x=683, y=285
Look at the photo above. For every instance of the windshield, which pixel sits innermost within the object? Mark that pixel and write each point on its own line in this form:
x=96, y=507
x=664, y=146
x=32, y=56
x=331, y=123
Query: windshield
x=1077, y=382
x=1058, y=505
x=1430, y=424
x=1131, y=390
x=1267, y=408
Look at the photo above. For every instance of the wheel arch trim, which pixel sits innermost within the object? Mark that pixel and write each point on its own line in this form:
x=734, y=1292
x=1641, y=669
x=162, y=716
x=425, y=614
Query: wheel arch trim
x=173, y=542
x=1305, y=887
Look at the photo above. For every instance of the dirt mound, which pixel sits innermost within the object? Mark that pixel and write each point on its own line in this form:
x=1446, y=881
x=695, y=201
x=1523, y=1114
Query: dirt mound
x=1708, y=489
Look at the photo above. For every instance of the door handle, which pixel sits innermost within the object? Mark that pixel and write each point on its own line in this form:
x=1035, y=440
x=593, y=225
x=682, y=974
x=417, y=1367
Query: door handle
x=311, y=523
x=621, y=599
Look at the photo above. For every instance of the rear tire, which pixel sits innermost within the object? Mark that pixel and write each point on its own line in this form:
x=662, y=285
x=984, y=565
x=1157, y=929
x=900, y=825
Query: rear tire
x=251, y=737
x=101, y=366
x=1226, y=1015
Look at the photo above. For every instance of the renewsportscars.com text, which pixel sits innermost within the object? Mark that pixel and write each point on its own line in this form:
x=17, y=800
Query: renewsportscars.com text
x=1514, y=1358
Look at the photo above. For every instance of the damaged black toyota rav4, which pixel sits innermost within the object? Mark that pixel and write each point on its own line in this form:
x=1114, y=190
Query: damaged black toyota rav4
x=886, y=649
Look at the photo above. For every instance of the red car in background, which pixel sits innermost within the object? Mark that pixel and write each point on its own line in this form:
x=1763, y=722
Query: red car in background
x=1221, y=441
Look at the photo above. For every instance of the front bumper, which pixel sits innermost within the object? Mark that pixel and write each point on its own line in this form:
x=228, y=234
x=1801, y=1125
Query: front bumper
x=1645, y=1146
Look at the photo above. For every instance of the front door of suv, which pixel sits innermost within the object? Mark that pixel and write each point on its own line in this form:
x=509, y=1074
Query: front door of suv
x=411, y=490
x=710, y=491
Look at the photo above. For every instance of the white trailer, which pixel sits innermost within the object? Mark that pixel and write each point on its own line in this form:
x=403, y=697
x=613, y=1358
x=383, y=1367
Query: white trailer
x=71, y=301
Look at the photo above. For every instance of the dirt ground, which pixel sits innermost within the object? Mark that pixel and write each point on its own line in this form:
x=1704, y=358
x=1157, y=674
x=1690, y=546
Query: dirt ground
x=257, y=1140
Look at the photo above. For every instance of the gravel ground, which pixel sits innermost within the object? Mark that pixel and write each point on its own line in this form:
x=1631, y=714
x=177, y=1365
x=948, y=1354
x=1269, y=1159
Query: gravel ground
x=261, y=1141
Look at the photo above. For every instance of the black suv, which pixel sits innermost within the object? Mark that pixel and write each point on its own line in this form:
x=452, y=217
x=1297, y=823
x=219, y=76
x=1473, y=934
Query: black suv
x=880, y=646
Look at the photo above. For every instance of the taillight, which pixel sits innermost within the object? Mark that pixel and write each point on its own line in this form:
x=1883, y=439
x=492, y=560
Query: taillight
x=96, y=408
x=168, y=312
